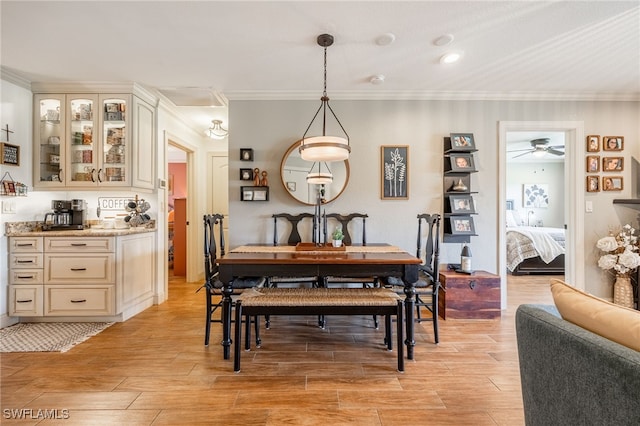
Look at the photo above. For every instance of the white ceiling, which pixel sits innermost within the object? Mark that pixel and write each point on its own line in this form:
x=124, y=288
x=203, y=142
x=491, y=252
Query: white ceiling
x=267, y=49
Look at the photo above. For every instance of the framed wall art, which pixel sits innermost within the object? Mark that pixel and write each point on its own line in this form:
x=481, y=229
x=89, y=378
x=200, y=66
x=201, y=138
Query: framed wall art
x=254, y=193
x=593, y=184
x=462, y=142
x=246, y=174
x=593, y=163
x=613, y=143
x=612, y=164
x=9, y=154
x=394, y=182
x=462, y=204
x=535, y=195
x=462, y=225
x=613, y=183
x=462, y=163
x=246, y=154
x=593, y=143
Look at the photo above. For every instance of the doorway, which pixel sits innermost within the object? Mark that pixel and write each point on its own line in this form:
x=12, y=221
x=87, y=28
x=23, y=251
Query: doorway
x=573, y=191
x=177, y=211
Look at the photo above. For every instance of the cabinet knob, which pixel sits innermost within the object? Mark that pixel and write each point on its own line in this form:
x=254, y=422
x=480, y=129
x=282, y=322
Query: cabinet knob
x=472, y=284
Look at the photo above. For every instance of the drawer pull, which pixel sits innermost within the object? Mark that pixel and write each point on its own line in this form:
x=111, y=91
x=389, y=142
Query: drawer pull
x=78, y=269
x=472, y=284
x=25, y=245
x=24, y=301
x=78, y=301
x=24, y=261
x=26, y=277
x=78, y=244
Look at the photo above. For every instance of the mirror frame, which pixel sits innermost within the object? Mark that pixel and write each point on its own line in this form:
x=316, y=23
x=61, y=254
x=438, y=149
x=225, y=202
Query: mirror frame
x=291, y=149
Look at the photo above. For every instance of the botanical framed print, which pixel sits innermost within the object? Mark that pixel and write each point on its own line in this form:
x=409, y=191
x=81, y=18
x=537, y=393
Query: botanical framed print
x=613, y=143
x=394, y=184
x=535, y=195
x=462, y=225
x=462, y=204
x=593, y=143
x=246, y=174
x=593, y=184
x=462, y=163
x=246, y=154
x=462, y=142
x=613, y=183
x=612, y=164
x=593, y=163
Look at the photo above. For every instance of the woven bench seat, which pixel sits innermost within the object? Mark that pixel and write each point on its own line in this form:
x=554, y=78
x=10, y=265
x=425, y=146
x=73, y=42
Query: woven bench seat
x=320, y=301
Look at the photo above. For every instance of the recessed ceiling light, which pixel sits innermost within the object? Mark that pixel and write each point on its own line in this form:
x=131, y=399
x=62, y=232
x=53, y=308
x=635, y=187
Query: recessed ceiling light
x=443, y=40
x=377, y=79
x=450, y=58
x=386, y=39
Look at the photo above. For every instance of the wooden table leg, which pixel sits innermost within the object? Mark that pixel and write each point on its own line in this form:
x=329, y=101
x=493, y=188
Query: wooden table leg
x=409, y=305
x=227, y=290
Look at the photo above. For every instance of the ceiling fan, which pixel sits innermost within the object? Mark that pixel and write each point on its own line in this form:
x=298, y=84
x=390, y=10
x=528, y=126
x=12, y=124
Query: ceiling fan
x=539, y=148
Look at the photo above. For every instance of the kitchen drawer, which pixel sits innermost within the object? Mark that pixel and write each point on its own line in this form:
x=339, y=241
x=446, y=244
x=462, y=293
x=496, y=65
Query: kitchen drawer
x=25, y=244
x=25, y=261
x=80, y=268
x=79, y=245
x=25, y=300
x=26, y=276
x=79, y=301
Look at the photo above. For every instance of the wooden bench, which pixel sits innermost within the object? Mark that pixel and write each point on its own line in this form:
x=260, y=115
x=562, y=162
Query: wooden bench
x=320, y=301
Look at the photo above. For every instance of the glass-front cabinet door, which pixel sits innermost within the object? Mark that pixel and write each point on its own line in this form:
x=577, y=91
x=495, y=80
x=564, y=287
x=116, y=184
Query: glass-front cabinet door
x=114, y=154
x=49, y=134
x=82, y=141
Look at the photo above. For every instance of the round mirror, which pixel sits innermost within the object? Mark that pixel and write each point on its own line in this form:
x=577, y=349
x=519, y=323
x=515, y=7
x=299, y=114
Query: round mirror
x=294, y=170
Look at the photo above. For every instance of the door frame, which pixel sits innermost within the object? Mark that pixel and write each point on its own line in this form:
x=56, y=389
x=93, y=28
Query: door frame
x=574, y=190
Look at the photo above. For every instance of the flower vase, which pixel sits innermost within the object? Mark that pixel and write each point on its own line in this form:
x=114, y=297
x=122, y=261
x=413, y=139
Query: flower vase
x=623, y=292
x=337, y=243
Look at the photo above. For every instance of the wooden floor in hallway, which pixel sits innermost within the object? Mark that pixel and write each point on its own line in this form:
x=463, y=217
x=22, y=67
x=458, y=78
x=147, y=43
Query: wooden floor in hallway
x=154, y=370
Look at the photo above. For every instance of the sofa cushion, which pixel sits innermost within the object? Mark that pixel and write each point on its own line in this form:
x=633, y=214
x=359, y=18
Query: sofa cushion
x=613, y=322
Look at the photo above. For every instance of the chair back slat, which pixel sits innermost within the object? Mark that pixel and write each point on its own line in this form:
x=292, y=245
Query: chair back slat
x=431, y=244
x=344, y=221
x=212, y=250
x=294, y=236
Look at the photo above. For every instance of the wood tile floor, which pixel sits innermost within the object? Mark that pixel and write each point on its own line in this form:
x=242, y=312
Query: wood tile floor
x=154, y=370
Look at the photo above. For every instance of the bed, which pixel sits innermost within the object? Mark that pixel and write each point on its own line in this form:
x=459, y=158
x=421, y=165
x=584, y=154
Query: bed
x=535, y=250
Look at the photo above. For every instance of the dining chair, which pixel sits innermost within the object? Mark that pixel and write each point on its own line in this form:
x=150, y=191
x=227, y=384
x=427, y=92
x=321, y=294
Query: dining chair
x=213, y=230
x=428, y=285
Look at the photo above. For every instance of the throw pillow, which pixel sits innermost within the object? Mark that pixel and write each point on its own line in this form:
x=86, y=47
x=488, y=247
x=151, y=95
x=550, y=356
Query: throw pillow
x=613, y=322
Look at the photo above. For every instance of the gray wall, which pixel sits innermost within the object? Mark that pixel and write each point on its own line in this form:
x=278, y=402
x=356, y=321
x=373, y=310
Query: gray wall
x=270, y=127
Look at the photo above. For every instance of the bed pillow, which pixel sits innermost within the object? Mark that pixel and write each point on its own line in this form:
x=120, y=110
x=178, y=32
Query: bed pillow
x=511, y=220
x=613, y=322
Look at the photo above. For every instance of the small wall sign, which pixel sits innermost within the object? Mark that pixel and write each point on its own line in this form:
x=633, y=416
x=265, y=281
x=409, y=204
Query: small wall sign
x=9, y=154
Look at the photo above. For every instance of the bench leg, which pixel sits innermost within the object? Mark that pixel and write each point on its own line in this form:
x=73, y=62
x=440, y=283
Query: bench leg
x=387, y=332
x=238, y=335
x=257, y=325
x=247, y=332
x=399, y=337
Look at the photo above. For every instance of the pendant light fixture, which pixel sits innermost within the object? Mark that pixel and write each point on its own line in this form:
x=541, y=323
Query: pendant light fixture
x=216, y=131
x=318, y=177
x=324, y=148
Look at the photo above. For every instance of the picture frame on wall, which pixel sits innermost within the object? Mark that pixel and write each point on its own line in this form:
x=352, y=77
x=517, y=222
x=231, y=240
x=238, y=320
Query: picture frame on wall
x=612, y=164
x=246, y=174
x=462, y=142
x=394, y=172
x=593, y=143
x=593, y=184
x=9, y=154
x=246, y=154
x=462, y=204
x=462, y=225
x=612, y=183
x=613, y=143
x=593, y=163
x=462, y=163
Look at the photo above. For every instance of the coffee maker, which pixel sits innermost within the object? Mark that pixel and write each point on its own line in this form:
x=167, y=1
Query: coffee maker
x=66, y=215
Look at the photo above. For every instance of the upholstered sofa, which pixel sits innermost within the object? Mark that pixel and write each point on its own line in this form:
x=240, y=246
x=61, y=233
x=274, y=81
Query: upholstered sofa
x=572, y=376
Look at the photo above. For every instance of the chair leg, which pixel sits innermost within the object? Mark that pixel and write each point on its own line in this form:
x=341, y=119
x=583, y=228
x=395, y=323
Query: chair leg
x=257, y=325
x=399, y=337
x=207, y=326
x=435, y=316
x=247, y=332
x=375, y=322
x=387, y=332
x=238, y=336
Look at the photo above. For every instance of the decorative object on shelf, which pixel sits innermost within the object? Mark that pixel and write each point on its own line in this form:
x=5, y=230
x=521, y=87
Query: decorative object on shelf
x=535, y=195
x=465, y=259
x=593, y=184
x=10, y=187
x=319, y=177
x=256, y=177
x=216, y=131
x=395, y=172
x=593, y=143
x=246, y=174
x=9, y=154
x=137, y=212
x=459, y=186
x=621, y=258
x=246, y=154
x=613, y=143
x=612, y=183
x=254, y=193
x=324, y=148
x=612, y=164
x=462, y=142
x=337, y=236
x=264, y=181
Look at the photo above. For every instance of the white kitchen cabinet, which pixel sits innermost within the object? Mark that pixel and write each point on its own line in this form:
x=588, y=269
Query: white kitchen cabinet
x=93, y=140
x=25, y=276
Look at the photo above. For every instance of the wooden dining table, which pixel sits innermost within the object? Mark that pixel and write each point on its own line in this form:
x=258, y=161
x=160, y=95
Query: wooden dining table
x=380, y=260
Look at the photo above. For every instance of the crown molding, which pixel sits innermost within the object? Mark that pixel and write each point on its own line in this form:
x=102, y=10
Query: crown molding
x=10, y=76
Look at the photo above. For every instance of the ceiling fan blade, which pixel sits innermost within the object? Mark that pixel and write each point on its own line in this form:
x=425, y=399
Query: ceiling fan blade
x=520, y=150
x=555, y=151
x=557, y=147
x=520, y=155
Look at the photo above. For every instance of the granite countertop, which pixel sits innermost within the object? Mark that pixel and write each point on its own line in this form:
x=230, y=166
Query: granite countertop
x=34, y=229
